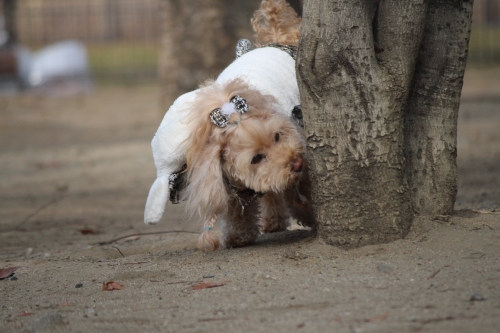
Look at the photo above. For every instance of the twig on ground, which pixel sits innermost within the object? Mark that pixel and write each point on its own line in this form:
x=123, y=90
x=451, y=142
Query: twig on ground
x=118, y=250
x=136, y=263
x=185, y=281
x=38, y=210
x=147, y=233
x=485, y=212
x=214, y=319
x=433, y=275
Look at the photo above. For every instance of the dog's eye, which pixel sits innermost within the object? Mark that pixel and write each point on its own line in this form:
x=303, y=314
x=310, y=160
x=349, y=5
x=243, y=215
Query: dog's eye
x=276, y=137
x=257, y=158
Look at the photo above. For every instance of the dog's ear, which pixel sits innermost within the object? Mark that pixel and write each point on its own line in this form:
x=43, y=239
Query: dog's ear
x=206, y=191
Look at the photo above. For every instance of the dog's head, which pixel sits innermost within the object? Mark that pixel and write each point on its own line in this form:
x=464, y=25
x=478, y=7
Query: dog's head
x=260, y=149
x=264, y=152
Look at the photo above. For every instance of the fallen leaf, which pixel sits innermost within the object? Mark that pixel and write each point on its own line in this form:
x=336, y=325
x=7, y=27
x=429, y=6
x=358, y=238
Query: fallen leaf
x=205, y=285
x=87, y=231
x=6, y=272
x=66, y=304
x=25, y=314
x=108, y=286
x=378, y=318
x=48, y=165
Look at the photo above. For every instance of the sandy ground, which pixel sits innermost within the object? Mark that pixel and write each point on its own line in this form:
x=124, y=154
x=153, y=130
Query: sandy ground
x=75, y=172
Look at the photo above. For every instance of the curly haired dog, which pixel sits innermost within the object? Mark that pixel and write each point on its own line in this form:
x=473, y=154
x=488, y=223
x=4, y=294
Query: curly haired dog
x=245, y=155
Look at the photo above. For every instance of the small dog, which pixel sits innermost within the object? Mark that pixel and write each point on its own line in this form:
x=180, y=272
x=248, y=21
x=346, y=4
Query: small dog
x=245, y=155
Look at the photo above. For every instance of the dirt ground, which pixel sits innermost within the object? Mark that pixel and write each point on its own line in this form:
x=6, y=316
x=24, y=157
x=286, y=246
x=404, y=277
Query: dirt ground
x=75, y=172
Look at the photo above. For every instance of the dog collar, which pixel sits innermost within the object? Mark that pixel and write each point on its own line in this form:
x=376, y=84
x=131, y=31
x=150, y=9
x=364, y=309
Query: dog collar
x=244, y=46
x=220, y=116
x=290, y=49
x=237, y=193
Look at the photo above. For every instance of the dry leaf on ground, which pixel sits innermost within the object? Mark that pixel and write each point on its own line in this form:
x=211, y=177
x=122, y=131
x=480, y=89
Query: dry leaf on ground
x=25, y=314
x=108, y=286
x=6, y=272
x=205, y=285
x=378, y=318
x=87, y=231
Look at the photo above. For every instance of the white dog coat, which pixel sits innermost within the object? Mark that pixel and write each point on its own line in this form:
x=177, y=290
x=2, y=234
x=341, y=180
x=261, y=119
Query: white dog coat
x=269, y=70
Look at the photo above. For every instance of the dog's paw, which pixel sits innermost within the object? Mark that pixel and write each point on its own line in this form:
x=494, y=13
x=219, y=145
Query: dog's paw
x=237, y=241
x=269, y=225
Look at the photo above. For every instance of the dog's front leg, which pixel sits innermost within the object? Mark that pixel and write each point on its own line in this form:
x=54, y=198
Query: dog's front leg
x=274, y=213
x=240, y=224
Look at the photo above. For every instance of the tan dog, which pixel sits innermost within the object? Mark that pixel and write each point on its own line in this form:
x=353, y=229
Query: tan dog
x=245, y=155
x=253, y=172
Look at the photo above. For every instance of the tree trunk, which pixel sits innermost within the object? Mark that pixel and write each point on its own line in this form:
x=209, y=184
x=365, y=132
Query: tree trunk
x=199, y=40
x=356, y=66
x=432, y=108
x=9, y=9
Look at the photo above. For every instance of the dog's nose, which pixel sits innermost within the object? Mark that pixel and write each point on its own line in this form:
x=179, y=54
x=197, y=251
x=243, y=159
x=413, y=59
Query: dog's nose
x=298, y=165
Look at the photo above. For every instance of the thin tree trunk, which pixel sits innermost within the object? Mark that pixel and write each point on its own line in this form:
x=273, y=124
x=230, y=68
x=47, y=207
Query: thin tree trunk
x=198, y=41
x=432, y=108
x=9, y=9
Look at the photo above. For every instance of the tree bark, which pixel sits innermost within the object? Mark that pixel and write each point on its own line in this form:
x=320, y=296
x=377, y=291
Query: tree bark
x=355, y=69
x=432, y=108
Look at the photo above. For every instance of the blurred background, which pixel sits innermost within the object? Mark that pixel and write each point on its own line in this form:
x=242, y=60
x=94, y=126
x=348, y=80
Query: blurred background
x=178, y=43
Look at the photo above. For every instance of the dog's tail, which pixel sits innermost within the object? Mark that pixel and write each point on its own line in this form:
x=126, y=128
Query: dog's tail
x=276, y=22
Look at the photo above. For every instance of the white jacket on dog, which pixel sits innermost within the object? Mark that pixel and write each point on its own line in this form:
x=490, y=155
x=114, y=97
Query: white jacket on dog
x=268, y=69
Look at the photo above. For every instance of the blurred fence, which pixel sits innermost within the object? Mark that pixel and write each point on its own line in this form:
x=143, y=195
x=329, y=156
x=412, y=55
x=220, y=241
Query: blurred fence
x=484, y=46
x=122, y=36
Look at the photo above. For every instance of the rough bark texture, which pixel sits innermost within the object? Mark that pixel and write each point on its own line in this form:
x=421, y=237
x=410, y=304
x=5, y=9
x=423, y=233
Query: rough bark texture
x=199, y=40
x=355, y=99
x=431, y=124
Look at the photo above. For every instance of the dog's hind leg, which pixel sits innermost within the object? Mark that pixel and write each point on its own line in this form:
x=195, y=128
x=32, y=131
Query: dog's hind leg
x=274, y=213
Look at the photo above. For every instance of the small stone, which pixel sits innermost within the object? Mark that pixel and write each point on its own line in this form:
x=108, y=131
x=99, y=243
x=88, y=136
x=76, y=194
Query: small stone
x=79, y=285
x=91, y=312
x=14, y=278
x=477, y=297
x=208, y=276
x=384, y=268
x=29, y=251
x=45, y=255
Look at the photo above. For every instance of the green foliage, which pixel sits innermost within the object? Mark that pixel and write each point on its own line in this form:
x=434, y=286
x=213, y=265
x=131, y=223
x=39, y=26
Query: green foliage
x=129, y=61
